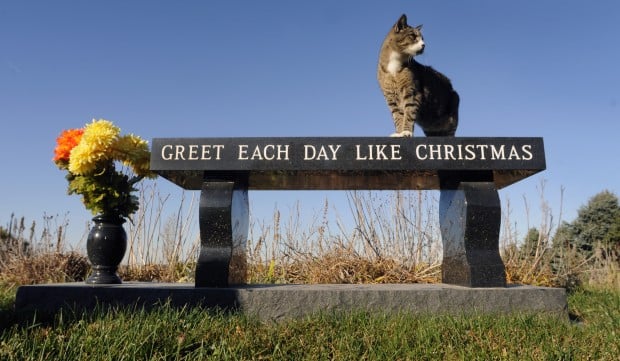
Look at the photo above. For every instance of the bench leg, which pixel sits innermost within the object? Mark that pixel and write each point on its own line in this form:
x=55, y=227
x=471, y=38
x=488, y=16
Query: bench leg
x=223, y=220
x=470, y=218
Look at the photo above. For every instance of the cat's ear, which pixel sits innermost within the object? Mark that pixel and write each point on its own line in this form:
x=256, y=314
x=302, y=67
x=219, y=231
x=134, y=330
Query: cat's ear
x=401, y=23
x=419, y=27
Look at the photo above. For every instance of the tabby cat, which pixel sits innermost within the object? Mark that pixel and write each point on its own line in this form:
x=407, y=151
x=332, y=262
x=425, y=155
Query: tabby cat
x=415, y=93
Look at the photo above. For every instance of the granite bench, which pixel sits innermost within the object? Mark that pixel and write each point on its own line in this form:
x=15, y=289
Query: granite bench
x=467, y=171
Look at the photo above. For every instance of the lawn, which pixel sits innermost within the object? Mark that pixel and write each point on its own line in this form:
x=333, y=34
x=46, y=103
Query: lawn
x=592, y=332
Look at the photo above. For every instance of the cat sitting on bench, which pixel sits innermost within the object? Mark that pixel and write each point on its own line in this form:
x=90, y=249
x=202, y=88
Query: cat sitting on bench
x=415, y=93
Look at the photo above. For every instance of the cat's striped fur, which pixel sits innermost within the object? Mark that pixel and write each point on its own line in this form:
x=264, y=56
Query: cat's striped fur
x=415, y=93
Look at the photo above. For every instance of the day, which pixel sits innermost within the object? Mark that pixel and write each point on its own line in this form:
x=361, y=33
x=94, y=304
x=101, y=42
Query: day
x=329, y=152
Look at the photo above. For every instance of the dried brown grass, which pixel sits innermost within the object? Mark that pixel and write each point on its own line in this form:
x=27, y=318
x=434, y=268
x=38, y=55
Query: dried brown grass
x=531, y=264
x=161, y=245
x=391, y=241
x=555, y=265
x=394, y=238
x=50, y=267
x=30, y=257
x=344, y=267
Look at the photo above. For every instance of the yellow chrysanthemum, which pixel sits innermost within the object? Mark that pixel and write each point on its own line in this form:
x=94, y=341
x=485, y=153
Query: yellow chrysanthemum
x=94, y=146
x=134, y=152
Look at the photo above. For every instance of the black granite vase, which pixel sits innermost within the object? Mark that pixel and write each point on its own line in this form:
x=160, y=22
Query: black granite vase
x=105, y=246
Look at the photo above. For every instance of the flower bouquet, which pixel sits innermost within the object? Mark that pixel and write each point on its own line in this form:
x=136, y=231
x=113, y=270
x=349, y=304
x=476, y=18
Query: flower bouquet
x=90, y=156
x=103, y=167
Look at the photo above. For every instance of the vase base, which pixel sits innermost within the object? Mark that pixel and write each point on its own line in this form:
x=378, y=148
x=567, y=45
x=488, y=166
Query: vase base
x=100, y=277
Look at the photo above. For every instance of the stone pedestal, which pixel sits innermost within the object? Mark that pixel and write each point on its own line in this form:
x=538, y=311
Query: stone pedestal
x=224, y=222
x=470, y=218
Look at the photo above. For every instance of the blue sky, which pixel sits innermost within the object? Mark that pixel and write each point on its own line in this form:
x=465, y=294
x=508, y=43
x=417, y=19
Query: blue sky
x=293, y=68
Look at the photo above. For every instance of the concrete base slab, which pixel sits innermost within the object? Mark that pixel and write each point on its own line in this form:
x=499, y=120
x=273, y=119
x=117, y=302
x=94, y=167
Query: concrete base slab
x=276, y=302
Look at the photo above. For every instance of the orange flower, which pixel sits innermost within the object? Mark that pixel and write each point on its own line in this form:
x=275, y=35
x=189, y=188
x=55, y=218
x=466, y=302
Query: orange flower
x=66, y=141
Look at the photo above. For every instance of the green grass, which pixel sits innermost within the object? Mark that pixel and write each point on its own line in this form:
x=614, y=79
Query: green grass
x=195, y=334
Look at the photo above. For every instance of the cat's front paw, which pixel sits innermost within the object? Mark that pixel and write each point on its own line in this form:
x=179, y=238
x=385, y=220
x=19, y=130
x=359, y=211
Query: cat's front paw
x=405, y=133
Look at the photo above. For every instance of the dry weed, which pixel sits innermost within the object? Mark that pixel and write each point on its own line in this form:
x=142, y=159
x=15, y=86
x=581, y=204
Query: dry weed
x=344, y=267
x=395, y=238
x=50, y=267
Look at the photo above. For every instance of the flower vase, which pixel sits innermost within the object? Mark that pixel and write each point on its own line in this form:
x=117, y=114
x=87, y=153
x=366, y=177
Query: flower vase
x=105, y=246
